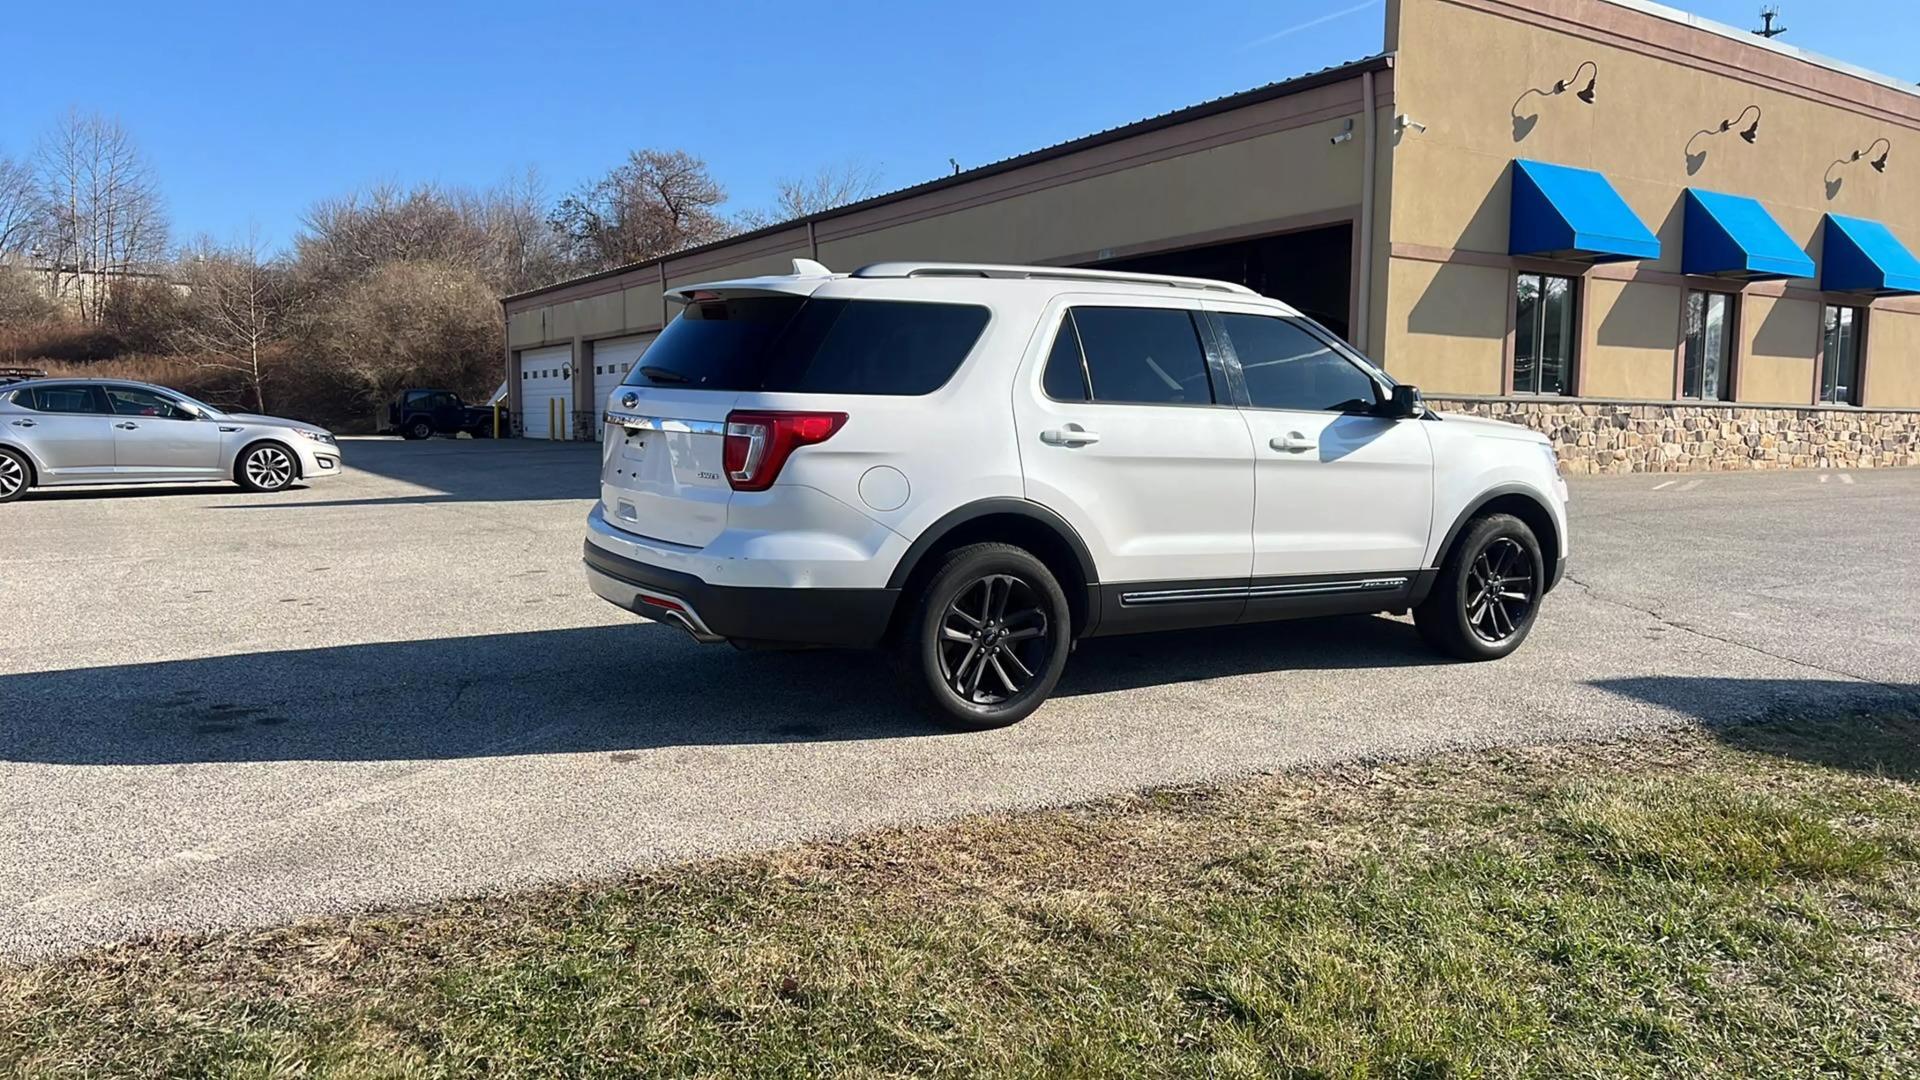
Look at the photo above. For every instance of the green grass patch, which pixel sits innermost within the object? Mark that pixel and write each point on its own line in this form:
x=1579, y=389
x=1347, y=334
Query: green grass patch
x=1739, y=905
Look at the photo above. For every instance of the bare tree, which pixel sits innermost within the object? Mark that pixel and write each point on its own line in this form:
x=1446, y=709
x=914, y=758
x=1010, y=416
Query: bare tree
x=237, y=311
x=656, y=203
x=20, y=210
x=500, y=233
x=103, y=212
x=828, y=187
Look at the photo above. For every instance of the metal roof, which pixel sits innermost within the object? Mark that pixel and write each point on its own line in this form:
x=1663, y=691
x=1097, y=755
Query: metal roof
x=1297, y=84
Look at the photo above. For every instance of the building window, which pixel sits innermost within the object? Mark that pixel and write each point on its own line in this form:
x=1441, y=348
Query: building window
x=1543, y=334
x=1707, y=372
x=1840, y=356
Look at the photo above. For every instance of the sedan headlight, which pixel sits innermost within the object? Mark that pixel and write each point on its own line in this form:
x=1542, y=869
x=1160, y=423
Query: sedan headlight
x=316, y=436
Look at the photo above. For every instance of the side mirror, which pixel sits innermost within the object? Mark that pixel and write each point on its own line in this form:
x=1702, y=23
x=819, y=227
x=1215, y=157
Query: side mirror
x=1405, y=404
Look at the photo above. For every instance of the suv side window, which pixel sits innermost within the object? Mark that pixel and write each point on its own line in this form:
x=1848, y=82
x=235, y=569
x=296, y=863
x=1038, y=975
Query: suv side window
x=129, y=401
x=60, y=399
x=1065, y=378
x=1144, y=356
x=1286, y=366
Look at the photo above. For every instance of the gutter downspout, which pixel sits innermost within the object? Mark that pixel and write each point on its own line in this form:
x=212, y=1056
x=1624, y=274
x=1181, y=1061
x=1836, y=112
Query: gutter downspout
x=1363, y=298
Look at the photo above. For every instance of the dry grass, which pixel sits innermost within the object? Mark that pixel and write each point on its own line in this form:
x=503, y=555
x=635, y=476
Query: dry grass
x=1745, y=905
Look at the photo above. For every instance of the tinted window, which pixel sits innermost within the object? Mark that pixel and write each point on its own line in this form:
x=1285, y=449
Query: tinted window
x=792, y=345
x=1149, y=356
x=67, y=399
x=1065, y=379
x=1287, y=367
x=128, y=401
x=1840, y=356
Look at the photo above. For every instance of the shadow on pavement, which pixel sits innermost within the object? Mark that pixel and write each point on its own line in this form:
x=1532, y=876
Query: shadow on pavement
x=138, y=491
x=607, y=689
x=1862, y=727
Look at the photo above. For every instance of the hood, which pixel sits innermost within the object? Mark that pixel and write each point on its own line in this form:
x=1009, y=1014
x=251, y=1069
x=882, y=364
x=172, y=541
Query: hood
x=273, y=421
x=1492, y=429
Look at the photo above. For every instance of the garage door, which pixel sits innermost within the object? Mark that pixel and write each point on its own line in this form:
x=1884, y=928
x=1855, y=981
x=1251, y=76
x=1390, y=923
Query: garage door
x=612, y=359
x=546, y=392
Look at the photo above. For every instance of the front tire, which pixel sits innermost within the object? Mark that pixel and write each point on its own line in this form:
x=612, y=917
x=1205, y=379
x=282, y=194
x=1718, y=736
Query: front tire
x=987, y=637
x=15, y=475
x=1488, y=593
x=267, y=467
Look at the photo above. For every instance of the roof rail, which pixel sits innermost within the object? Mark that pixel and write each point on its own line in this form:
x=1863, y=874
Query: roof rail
x=1047, y=273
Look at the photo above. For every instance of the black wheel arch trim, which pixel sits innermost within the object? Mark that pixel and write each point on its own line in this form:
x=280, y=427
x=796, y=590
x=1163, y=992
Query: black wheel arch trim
x=931, y=538
x=1549, y=545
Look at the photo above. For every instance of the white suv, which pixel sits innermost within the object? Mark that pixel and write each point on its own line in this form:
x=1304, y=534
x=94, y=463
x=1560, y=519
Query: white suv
x=979, y=465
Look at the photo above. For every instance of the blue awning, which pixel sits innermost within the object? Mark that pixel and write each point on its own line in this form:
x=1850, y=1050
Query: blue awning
x=1734, y=236
x=1864, y=256
x=1566, y=213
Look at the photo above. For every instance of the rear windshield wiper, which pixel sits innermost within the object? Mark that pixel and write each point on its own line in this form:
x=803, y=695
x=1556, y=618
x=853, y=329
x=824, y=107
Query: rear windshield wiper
x=660, y=374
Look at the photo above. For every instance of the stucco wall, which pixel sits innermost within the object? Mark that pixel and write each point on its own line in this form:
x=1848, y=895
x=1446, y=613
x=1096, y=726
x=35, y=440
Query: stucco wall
x=1658, y=84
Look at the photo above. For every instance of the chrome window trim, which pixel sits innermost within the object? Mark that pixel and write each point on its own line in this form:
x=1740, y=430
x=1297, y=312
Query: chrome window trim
x=636, y=422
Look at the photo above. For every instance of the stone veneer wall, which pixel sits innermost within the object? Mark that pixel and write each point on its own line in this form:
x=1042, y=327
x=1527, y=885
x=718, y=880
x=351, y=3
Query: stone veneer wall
x=1628, y=437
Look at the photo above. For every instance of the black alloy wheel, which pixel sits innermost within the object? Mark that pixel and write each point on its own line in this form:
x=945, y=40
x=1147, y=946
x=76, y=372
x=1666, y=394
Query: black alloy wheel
x=987, y=636
x=1487, y=596
x=993, y=639
x=1499, y=596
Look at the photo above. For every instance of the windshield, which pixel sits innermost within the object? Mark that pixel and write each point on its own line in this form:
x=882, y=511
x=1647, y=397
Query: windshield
x=790, y=344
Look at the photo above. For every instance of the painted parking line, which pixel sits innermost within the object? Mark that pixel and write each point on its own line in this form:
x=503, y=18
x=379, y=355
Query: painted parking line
x=1690, y=485
x=1824, y=478
x=1664, y=486
x=1846, y=478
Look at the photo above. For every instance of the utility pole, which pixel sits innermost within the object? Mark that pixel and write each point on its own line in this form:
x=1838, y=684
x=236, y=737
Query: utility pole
x=1767, y=30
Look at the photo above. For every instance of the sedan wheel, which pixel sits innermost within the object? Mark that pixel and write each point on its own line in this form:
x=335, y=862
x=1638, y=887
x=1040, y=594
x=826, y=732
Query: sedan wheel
x=267, y=468
x=13, y=476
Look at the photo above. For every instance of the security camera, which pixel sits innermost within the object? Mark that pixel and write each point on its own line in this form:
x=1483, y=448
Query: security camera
x=1403, y=122
x=1345, y=135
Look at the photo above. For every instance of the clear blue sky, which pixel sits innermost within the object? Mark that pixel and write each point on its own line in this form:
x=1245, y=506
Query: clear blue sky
x=251, y=111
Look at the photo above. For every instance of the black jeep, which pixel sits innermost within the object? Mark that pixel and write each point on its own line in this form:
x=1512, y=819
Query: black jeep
x=421, y=414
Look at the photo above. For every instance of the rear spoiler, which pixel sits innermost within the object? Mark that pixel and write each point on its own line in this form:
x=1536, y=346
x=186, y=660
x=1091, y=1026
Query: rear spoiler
x=806, y=277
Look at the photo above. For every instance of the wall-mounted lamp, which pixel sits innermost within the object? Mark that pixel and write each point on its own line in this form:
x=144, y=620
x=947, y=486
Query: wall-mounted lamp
x=1751, y=134
x=1877, y=164
x=1523, y=125
x=1345, y=133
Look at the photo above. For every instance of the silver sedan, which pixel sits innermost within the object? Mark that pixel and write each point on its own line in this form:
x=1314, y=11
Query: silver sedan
x=59, y=432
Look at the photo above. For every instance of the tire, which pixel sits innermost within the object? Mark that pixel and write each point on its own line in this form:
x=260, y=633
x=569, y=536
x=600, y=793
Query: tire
x=16, y=475
x=952, y=678
x=1466, y=616
x=267, y=467
x=419, y=429
x=483, y=431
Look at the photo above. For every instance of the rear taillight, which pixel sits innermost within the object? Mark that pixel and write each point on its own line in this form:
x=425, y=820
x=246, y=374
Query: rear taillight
x=758, y=443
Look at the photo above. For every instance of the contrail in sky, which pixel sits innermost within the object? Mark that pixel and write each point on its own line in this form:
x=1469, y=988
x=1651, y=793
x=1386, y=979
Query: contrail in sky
x=1308, y=25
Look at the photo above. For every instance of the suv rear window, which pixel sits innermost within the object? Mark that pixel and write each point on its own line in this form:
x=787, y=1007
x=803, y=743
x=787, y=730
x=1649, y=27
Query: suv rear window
x=790, y=344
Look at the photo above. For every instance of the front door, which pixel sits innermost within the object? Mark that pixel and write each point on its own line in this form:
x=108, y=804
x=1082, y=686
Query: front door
x=156, y=436
x=1343, y=496
x=1126, y=430
x=70, y=432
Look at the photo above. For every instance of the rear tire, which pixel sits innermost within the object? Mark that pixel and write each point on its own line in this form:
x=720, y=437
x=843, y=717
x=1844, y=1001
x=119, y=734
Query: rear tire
x=419, y=429
x=986, y=638
x=1484, y=603
x=16, y=475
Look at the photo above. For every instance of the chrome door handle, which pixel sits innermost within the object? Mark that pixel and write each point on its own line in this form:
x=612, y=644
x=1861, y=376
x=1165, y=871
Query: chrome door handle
x=1071, y=435
x=127, y=425
x=26, y=423
x=1292, y=442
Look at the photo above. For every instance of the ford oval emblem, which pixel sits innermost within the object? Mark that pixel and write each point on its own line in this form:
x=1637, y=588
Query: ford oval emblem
x=628, y=401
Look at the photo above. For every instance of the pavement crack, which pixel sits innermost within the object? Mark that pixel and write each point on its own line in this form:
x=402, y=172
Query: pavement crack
x=1689, y=628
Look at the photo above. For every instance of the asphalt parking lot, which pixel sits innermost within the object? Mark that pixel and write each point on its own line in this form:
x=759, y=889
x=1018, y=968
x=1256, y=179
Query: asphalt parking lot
x=222, y=709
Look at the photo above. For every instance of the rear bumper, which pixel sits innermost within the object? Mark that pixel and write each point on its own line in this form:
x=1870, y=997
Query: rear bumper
x=851, y=618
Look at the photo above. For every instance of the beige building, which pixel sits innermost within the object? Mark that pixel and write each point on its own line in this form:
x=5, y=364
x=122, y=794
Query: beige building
x=1667, y=243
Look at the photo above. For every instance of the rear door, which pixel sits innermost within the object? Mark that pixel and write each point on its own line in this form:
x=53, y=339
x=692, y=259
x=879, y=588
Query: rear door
x=156, y=436
x=1127, y=429
x=68, y=429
